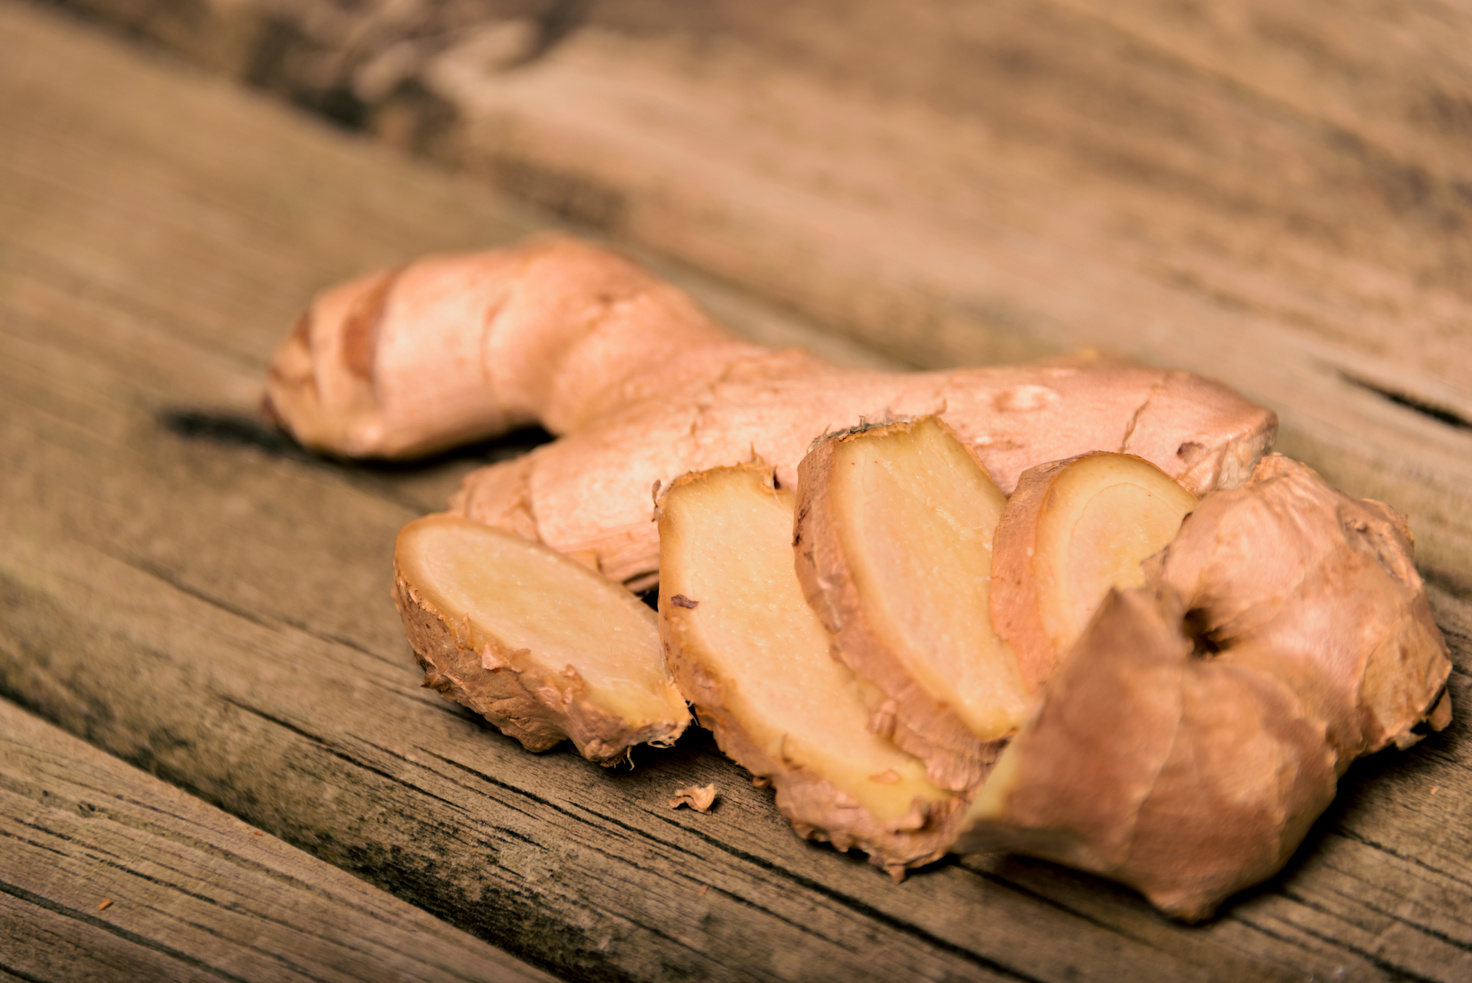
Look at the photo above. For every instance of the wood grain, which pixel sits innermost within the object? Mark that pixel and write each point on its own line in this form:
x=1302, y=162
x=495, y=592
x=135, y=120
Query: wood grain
x=1277, y=196
x=109, y=873
x=192, y=594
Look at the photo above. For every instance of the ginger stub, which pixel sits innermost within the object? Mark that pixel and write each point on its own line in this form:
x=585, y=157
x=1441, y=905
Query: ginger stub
x=894, y=552
x=1072, y=530
x=1198, y=726
x=753, y=659
x=538, y=644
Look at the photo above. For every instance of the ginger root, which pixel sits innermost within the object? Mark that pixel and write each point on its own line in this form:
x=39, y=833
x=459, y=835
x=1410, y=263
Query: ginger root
x=753, y=658
x=1198, y=726
x=1072, y=530
x=1181, y=739
x=643, y=387
x=894, y=552
x=543, y=647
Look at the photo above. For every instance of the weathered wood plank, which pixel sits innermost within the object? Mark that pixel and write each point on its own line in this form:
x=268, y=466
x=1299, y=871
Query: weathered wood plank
x=209, y=604
x=108, y=873
x=1280, y=197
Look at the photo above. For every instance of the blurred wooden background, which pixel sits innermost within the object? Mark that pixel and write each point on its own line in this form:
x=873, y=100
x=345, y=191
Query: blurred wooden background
x=1277, y=195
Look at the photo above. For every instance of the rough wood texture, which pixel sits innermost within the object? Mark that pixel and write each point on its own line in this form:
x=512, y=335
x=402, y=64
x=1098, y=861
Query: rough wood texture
x=1280, y=196
x=193, y=595
x=108, y=872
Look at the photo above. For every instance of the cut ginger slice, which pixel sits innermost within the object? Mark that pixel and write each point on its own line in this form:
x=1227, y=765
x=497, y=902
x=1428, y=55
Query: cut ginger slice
x=1072, y=530
x=537, y=643
x=752, y=657
x=894, y=540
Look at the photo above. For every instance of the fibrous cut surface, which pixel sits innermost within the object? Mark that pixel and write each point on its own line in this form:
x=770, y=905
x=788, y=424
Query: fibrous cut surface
x=894, y=543
x=752, y=657
x=1072, y=530
x=542, y=646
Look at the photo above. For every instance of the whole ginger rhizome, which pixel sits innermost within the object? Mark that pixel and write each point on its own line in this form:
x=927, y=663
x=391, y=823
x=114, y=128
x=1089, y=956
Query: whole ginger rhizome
x=1066, y=609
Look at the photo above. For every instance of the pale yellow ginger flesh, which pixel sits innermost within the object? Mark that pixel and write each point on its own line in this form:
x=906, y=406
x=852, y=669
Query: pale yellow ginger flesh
x=752, y=657
x=641, y=386
x=1072, y=530
x=894, y=551
x=542, y=646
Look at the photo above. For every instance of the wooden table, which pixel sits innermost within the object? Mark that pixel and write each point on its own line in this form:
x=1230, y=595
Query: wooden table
x=186, y=591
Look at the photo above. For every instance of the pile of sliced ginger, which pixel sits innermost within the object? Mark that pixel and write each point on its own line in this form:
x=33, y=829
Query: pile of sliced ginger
x=1073, y=610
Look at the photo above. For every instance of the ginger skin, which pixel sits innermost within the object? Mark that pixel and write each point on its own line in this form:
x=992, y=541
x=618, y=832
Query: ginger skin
x=642, y=387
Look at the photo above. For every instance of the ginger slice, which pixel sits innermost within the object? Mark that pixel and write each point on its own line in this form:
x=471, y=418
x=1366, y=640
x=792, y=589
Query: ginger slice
x=537, y=643
x=1198, y=727
x=752, y=657
x=894, y=538
x=1072, y=530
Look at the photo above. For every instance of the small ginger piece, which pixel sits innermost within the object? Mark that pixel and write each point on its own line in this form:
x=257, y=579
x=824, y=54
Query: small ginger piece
x=894, y=552
x=697, y=797
x=752, y=657
x=1197, y=728
x=1072, y=530
x=540, y=645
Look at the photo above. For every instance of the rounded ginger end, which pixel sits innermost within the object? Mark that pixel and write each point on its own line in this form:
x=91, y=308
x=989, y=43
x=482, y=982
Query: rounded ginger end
x=536, y=642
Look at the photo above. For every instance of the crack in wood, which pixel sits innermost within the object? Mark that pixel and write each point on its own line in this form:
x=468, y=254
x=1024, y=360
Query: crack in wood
x=143, y=941
x=1423, y=405
x=1427, y=930
x=1352, y=836
x=860, y=907
x=335, y=752
x=747, y=902
x=273, y=620
x=1019, y=888
x=1246, y=923
x=1372, y=958
x=38, y=846
x=27, y=977
x=160, y=882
